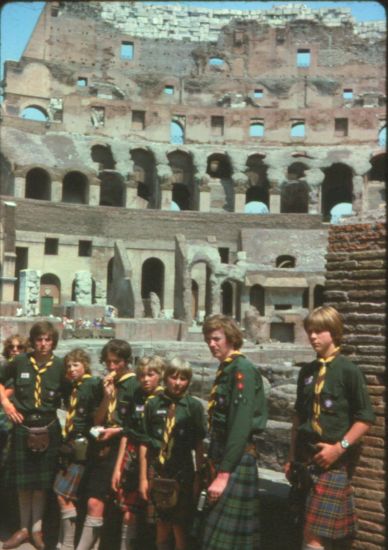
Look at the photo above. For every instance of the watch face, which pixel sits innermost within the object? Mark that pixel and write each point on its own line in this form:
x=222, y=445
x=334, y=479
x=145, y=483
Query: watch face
x=344, y=443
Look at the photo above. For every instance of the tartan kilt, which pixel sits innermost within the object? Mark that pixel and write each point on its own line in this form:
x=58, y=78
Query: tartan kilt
x=128, y=497
x=330, y=510
x=25, y=469
x=100, y=464
x=67, y=482
x=233, y=522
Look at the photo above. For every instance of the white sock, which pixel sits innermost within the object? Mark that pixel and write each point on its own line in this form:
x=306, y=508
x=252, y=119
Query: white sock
x=38, y=504
x=128, y=535
x=90, y=533
x=68, y=528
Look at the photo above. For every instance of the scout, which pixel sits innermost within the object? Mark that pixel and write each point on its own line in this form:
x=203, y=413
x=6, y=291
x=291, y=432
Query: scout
x=39, y=382
x=237, y=412
x=332, y=413
x=86, y=395
x=174, y=424
x=125, y=480
x=119, y=386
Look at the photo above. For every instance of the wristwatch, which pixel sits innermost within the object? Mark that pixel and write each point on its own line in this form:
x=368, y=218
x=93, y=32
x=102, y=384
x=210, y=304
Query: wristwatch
x=344, y=444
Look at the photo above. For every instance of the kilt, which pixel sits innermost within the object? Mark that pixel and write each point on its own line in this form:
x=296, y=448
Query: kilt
x=330, y=508
x=128, y=498
x=67, y=482
x=233, y=522
x=25, y=469
x=100, y=464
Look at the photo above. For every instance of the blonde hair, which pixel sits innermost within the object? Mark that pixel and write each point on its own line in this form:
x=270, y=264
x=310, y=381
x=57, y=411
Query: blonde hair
x=177, y=365
x=325, y=318
x=77, y=355
x=150, y=362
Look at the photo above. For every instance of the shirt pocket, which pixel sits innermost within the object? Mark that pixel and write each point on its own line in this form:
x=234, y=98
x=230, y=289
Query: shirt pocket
x=122, y=408
x=329, y=400
x=50, y=392
x=24, y=387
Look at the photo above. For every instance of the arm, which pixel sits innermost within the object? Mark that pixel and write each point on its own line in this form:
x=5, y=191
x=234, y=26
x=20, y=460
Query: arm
x=102, y=410
x=116, y=477
x=143, y=467
x=9, y=408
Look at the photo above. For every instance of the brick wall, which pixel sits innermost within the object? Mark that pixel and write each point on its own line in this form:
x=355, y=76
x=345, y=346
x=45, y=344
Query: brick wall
x=355, y=285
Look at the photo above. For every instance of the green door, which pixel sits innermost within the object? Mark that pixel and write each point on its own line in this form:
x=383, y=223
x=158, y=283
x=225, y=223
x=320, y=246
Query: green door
x=46, y=305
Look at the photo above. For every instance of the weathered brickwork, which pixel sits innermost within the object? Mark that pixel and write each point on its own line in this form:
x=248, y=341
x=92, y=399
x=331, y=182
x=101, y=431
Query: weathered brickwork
x=355, y=285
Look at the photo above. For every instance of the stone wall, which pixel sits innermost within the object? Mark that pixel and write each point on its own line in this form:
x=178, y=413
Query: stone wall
x=356, y=280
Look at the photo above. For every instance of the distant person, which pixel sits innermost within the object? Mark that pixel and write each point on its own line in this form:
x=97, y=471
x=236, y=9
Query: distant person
x=237, y=412
x=39, y=382
x=332, y=412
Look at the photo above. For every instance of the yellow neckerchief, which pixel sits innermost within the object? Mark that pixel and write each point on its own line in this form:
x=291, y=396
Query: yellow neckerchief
x=113, y=399
x=38, y=380
x=213, y=391
x=157, y=391
x=69, y=424
x=319, y=383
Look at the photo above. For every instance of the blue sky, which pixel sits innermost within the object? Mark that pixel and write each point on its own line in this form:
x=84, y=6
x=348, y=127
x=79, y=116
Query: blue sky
x=19, y=18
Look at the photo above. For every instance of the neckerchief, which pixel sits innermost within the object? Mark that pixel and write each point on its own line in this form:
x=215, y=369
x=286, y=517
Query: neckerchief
x=319, y=383
x=167, y=439
x=113, y=399
x=38, y=380
x=213, y=391
x=69, y=424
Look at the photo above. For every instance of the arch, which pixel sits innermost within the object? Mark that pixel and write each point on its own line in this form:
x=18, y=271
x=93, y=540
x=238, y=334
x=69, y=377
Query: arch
x=112, y=190
x=35, y=112
x=194, y=299
x=177, y=133
x=337, y=187
x=174, y=207
x=339, y=210
x=378, y=172
x=298, y=130
x=183, y=189
x=256, y=207
x=50, y=293
x=144, y=173
x=152, y=280
x=257, y=298
x=319, y=295
x=258, y=182
x=256, y=129
x=296, y=171
x=75, y=188
x=285, y=261
x=102, y=154
x=227, y=298
x=294, y=198
x=221, y=192
x=219, y=166
x=38, y=185
x=200, y=271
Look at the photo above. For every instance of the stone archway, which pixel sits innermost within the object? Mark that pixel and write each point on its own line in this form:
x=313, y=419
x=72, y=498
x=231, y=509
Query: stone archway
x=75, y=188
x=152, y=283
x=337, y=187
x=38, y=185
x=221, y=184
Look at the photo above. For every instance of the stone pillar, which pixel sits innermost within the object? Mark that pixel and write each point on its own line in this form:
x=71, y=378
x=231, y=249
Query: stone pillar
x=94, y=194
x=274, y=201
x=357, y=194
x=314, y=206
x=239, y=198
x=83, y=288
x=311, y=296
x=56, y=191
x=131, y=195
x=204, y=196
x=166, y=198
x=20, y=187
x=29, y=291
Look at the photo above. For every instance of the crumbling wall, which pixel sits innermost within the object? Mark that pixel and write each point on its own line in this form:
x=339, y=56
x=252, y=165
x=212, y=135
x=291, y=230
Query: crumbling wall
x=356, y=280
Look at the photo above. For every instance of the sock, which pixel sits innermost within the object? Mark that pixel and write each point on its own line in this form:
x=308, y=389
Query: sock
x=128, y=535
x=68, y=528
x=90, y=533
x=38, y=504
x=25, y=506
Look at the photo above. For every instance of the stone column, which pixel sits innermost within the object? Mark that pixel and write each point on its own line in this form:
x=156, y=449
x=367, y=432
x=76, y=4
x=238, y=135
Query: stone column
x=83, y=288
x=357, y=194
x=130, y=194
x=29, y=291
x=204, y=194
x=166, y=198
x=20, y=187
x=239, y=197
x=274, y=201
x=56, y=191
x=94, y=192
x=314, y=179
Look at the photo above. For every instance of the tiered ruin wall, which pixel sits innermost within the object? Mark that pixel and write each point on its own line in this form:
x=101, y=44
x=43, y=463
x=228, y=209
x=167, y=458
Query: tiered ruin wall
x=355, y=283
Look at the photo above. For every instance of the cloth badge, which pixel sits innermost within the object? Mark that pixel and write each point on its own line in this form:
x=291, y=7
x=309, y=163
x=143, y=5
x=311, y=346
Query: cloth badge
x=328, y=403
x=139, y=408
x=25, y=375
x=51, y=393
x=161, y=411
x=308, y=380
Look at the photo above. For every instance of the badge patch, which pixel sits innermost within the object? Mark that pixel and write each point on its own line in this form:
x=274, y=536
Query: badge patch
x=25, y=375
x=139, y=408
x=308, y=380
x=328, y=403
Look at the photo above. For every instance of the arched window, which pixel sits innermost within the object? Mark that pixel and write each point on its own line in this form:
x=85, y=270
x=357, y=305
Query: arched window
x=256, y=207
x=152, y=280
x=177, y=133
x=50, y=293
x=285, y=261
x=257, y=298
x=34, y=112
x=216, y=62
x=75, y=188
x=298, y=130
x=337, y=187
x=103, y=155
x=339, y=210
x=181, y=196
x=38, y=185
x=256, y=129
x=144, y=173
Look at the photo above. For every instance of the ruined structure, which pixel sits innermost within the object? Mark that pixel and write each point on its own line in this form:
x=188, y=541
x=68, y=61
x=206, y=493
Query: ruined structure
x=194, y=154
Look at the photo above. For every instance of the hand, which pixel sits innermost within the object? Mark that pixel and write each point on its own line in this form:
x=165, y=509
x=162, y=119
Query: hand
x=287, y=470
x=109, y=385
x=108, y=433
x=327, y=454
x=144, y=489
x=12, y=413
x=218, y=486
x=116, y=478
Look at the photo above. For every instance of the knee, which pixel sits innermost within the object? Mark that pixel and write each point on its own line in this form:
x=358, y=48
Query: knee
x=95, y=507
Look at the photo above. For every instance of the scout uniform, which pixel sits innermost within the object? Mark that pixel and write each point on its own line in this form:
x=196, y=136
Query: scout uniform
x=188, y=429
x=86, y=395
x=103, y=454
x=343, y=400
x=37, y=395
x=237, y=411
x=133, y=429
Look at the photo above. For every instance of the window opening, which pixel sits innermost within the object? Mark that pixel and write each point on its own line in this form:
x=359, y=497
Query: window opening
x=82, y=82
x=138, y=120
x=256, y=129
x=285, y=261
x=224, y=255
x=51, y=247
x=303, y=58
x=216, y=62
x=383, y=137
x=127, y=50
x=347, y=93
x=217, y=125
x=85, y=248
x=34, y=113
x=298, y=130
x=341, y=127
x=169, y=90
x=258, y=92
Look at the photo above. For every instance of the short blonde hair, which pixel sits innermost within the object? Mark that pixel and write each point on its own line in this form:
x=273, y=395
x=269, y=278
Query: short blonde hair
x=325, y=318
x=177, y=365
x=150, y=362
x=77, y=355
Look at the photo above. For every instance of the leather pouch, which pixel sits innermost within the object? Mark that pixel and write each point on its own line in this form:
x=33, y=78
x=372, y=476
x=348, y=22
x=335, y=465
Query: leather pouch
x=164, y=492
x=38, y=439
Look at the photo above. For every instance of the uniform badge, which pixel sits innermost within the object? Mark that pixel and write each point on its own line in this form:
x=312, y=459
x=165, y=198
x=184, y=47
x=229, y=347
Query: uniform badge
x=328, y=403
x=139, y=408
x=308, y=380
x=25, y=375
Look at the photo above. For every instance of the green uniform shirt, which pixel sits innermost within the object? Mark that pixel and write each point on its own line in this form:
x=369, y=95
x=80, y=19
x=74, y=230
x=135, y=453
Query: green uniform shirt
x=240, y=411
x=133, y=426
x=189, y=429
x=54, y=384
x=344, y=398
x=89, y=396
x=125, y=392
